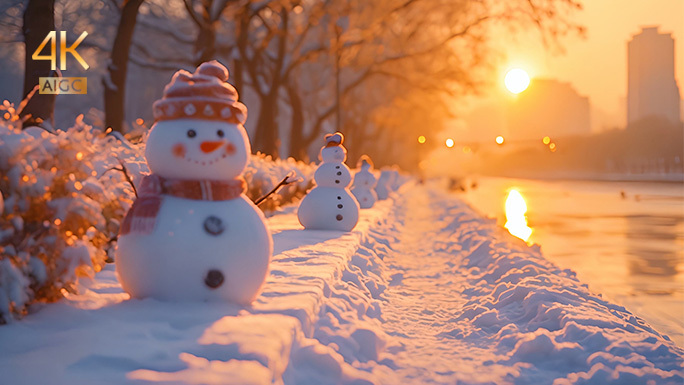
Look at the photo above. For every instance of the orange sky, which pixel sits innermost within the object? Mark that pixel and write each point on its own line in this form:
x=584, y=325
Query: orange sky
x=597, y=66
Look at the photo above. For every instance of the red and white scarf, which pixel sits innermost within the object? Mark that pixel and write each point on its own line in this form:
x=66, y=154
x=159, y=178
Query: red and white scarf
x=142, y=217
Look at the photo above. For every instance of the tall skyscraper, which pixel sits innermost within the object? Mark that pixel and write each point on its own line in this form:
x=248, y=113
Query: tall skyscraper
x=652, y=90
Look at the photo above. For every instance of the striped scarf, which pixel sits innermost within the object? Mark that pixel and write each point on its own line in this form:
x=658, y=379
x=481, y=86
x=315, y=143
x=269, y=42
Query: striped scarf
x=142, y=216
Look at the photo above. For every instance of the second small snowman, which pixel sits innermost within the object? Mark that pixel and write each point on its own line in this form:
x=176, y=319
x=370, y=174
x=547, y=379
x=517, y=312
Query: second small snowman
x=330, y=205
x=364, y=183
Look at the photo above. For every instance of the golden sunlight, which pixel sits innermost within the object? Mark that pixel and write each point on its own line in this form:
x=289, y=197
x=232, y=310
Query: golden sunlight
x=517, y=80
x=516, y=221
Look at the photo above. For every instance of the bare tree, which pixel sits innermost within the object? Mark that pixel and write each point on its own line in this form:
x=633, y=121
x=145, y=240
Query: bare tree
x=115, y=80
x=206, y=15
x=39, y=20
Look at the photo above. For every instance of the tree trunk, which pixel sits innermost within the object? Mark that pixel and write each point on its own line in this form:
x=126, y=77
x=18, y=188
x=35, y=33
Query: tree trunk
x=237, y=76
x=266, y=136
x=205, y=45
x=267, y=133
x=39, y=20
x=115, y=81
x=297, y=150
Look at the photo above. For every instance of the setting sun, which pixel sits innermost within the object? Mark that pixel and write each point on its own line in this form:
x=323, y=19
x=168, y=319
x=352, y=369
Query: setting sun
x=517, y=80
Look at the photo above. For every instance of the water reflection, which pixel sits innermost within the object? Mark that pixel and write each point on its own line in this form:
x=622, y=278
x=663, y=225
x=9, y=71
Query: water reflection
x=516, y=221
x=649, y=240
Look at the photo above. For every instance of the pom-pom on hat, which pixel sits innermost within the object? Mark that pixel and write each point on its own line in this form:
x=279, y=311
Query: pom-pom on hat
x=203, y=94
x=335, y=139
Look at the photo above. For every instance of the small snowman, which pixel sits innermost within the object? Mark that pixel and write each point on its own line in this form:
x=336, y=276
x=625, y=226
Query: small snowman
x=364, y=183
x=383, y=186
x=330, y=205
x=192, y=234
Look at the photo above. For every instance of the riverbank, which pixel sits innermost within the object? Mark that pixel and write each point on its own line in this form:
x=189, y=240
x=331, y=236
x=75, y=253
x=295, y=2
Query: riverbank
x=624, y=239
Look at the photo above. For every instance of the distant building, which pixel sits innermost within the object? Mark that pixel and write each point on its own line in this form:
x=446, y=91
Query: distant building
x=548, y=108
x=652, y=90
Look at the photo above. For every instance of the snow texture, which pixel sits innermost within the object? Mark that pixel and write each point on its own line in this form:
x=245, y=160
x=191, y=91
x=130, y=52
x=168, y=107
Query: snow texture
x=424, y=290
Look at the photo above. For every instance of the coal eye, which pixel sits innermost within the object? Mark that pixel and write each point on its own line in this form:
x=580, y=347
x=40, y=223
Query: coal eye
x=220, y=133
x=192, y=133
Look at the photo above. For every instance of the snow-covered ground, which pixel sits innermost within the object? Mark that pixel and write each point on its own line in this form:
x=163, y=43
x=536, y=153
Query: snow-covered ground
x=424, y=290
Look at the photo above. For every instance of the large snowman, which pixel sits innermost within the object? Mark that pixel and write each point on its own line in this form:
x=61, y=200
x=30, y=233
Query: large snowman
x=330, y=205
x=364, y=183
x=192, y=234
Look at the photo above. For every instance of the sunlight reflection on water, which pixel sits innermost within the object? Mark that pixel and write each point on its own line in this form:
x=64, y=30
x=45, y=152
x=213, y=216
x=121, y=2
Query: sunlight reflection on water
x=516, y=221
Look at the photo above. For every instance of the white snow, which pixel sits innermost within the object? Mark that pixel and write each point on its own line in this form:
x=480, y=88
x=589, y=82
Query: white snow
x=424, y=290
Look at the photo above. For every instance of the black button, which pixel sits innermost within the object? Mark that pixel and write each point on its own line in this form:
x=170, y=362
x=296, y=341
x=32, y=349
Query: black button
x=214, y=279
x=339, y=206
x=214, y=225
x=337, y=181
x=339, y=173
x=339, y=217
x=339, y=197
x=337, y=166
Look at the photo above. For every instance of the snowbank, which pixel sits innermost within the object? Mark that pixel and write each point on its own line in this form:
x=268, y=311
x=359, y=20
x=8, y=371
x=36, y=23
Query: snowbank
x=424, y=290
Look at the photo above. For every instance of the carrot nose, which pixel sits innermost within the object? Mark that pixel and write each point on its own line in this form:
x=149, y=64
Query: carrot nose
x=208, y=147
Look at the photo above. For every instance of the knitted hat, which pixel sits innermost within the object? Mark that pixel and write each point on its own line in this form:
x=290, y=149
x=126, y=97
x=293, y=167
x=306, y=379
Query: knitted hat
x=364, y=161
x=201, y=95
x=335, y=139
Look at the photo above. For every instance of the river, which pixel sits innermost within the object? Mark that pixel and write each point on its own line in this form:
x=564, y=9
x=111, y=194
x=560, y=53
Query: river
x=624, y=239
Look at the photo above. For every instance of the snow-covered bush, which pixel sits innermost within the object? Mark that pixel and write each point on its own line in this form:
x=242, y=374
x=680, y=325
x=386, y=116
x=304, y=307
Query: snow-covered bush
x=65, y=195
x=63, y=205
x=263, y=173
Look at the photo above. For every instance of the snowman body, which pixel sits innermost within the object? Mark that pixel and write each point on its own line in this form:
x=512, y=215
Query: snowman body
x=198, y=249
x=383, y=185
x=330, y=205
x=364, y=187
x=190, y=240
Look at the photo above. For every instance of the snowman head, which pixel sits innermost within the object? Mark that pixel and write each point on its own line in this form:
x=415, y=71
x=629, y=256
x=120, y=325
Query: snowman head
x=197, y=149
x=334, y=151
x=199, y=133
x=364, y=163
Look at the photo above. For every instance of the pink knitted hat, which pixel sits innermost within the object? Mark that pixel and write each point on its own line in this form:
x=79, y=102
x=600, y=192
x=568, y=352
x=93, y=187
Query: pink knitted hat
x=201, y=95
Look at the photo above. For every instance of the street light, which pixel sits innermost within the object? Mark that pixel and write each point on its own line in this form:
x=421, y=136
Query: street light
x=421, y=139
x=500, y=140
x=449, y=143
